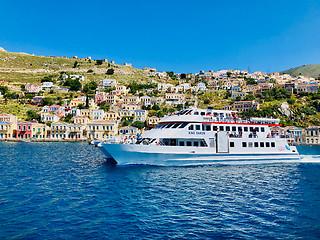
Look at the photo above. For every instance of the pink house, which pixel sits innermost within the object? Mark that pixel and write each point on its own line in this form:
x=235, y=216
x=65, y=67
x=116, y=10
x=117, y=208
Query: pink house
x=99, y=98
x=31, y=88
x=55, y=109
x=24, y=130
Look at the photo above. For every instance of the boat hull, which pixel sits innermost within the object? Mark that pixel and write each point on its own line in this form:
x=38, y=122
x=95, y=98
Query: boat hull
x=129, y=154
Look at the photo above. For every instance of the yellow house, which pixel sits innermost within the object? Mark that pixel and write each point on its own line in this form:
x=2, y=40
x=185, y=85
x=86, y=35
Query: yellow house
x=101, y=130
x=111, y=115
x=6, y=130
x=39, y=131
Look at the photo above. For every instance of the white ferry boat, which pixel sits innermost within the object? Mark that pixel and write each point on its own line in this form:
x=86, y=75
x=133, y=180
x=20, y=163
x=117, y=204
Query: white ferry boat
x=197, y=136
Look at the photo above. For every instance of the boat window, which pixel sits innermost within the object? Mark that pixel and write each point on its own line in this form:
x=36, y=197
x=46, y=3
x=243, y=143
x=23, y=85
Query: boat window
x=262, y=129
x=196, y=113
x=169, y=125
x=256, y=144
x=251, y=129
x=203, y=143
x=203, y=113
x=273, y=144
x=197, y=127
x=244, y=144
x=183, y=125
x=267, y=144
x=181, y=143
x=188, y=112
x=214, y=128
x=196, y=144
x=208, y=128
x=173, y=142
x=231, y=144
x=257, y=129
x=188, y=143
x=240, y=129
x=227, y=128
x=191, y=127
x=245, y=129
x=203, y=128
x=250, y=144
x=262, y=144
x=234, y=129
x=162, y=125
x=166, y=142
x=175, y=125
x=221, y=128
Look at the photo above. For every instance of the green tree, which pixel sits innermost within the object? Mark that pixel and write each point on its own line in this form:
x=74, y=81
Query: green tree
x=81, y=106
x=110, y=71
x=250, y=97
x=90, y=87
x=183, y=76
x=155, y=107
x=99, y=62
x=74, y=84
x=138, y=124
x=46, y=101
x=75, y=64
x=31, y=114
x=4, y=90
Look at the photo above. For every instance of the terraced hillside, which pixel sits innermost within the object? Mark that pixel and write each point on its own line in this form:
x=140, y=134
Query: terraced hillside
x=21, y=68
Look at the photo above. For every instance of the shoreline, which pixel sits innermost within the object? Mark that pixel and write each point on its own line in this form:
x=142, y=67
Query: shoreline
x=44, y=140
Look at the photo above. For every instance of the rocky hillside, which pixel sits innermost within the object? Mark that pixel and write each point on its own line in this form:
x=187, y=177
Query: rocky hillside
x=21, y=68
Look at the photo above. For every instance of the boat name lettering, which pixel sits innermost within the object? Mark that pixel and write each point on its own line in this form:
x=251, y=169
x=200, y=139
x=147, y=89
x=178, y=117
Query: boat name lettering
x=197, y=133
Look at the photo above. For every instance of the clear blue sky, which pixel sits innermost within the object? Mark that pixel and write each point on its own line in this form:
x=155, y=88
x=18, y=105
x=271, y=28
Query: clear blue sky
x=182, y=36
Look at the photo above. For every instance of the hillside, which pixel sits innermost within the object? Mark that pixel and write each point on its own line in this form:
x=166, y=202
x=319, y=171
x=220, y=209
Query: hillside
x=21, y=68
x=310, y=70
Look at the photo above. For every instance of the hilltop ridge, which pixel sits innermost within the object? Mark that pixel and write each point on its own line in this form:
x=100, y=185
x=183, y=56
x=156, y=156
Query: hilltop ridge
x=309, y=70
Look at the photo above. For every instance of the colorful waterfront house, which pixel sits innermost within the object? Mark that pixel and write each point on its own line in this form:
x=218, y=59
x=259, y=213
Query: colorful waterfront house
x=48, y=117
x=75, y=131
x=98, y=114
x=24, y=130
x=54, y=109
x=313, y=135
x=4, y=117
x=6, y=130
x=111, y=115
x=86, y=113
x=81, y=120
x=140, y=115
x=152, y=121
x=99, y=97
x=102, y=130
x=128, y=132
x=39, y=130
x=295, y=133
x=59, y=131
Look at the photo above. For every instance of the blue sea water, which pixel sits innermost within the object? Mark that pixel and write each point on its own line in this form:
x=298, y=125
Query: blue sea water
x=67, y=191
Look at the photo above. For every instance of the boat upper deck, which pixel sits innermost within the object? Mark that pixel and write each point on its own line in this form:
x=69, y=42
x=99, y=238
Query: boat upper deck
x=216, y=116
